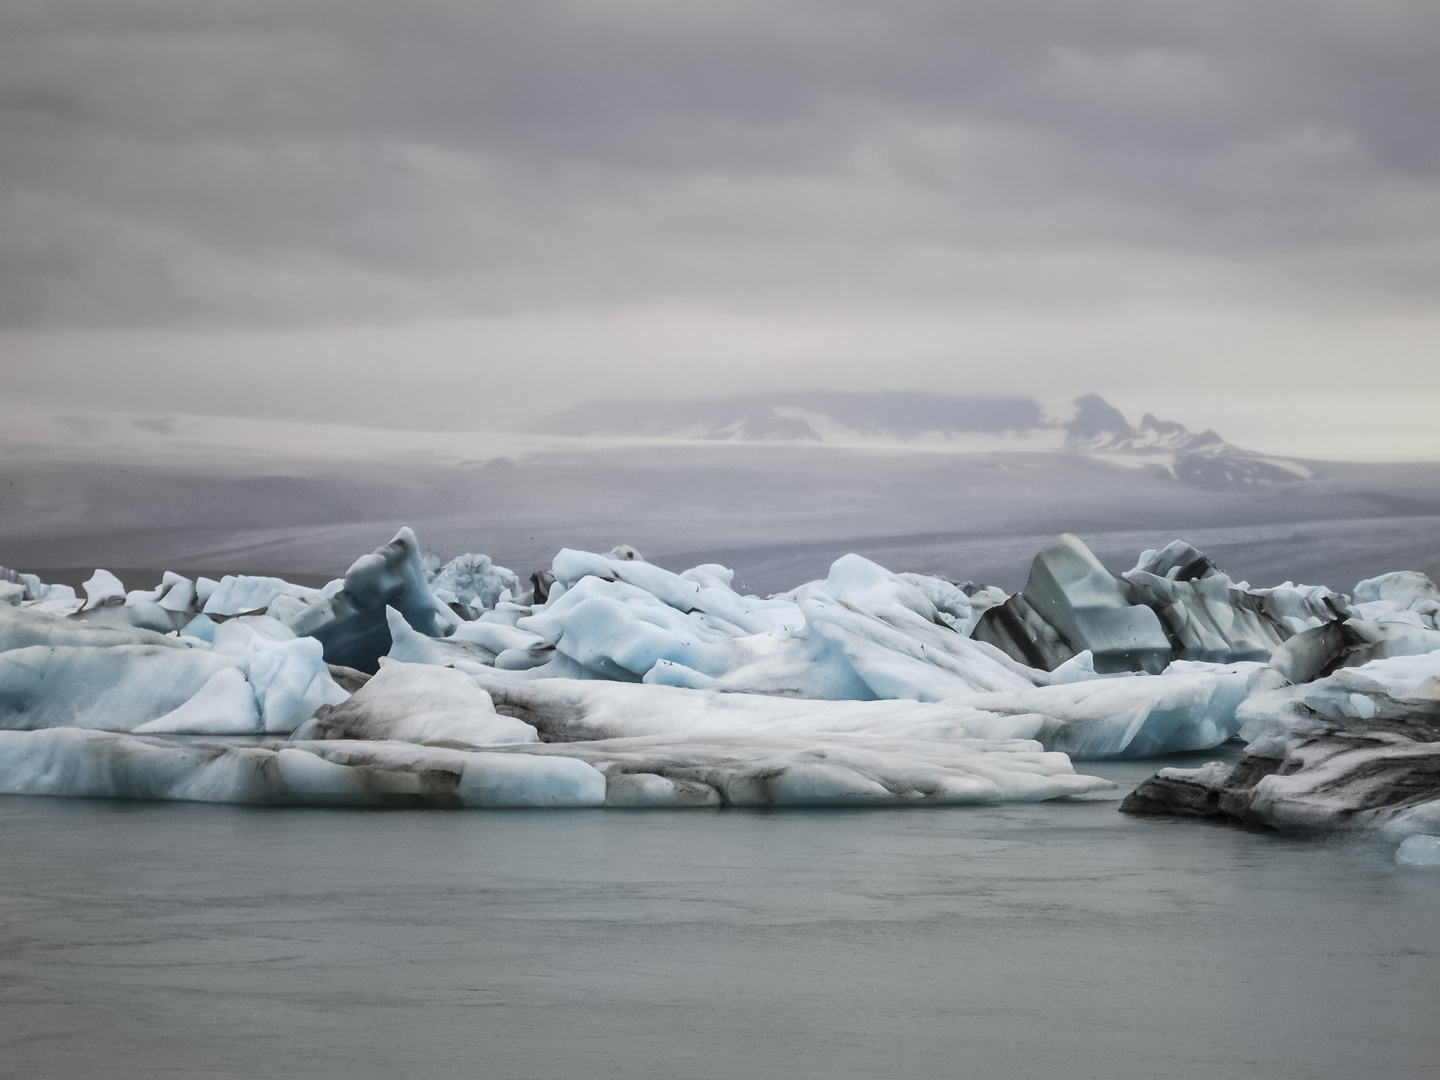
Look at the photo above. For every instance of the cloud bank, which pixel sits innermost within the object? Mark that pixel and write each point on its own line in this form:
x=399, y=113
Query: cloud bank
x=985, y=195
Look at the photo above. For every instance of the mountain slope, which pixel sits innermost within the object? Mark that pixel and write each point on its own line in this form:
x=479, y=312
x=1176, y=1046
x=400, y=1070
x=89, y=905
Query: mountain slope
x=973, y=422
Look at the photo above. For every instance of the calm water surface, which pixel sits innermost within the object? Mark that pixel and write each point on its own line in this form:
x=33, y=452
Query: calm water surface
x=1057, y=940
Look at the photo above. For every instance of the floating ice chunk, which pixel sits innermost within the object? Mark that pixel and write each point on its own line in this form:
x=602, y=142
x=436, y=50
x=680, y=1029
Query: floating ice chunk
x=55, y=672
x=201, y=627
x=1356, y=749
x=418, y=703
x=619, y=630
x=1209, y=617
x=495, y=637
x=861, y=633
x=1019, y=631
x=713, y=602
x=1174, y=602
x=1404, y=591
x=1136, y=717
x=1073, y=592
x=12, y=593
x=393, y=576
x=474, y=582
x=103, y=588
x=204, y=589
x=837, y=769
x=1079, y=668
x=410, y=647
x=1421, y=849
x=890, y=635
x=238, y=595
x=348, y=617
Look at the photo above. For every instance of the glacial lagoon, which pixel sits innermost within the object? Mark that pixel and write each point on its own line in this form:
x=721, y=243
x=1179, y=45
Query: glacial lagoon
x=1058, y=939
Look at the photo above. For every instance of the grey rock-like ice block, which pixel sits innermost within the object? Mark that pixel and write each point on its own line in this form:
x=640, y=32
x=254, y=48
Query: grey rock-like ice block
x=1070, y=589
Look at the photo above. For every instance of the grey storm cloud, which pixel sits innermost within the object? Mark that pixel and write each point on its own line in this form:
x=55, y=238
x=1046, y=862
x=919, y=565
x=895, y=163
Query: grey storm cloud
x=178, y=163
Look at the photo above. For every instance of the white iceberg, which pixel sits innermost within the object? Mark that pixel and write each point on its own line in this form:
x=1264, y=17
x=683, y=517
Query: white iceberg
x=1422, y=849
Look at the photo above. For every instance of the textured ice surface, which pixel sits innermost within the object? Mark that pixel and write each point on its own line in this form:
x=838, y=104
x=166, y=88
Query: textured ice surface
x=1211, y=618
x=349, y=620
x=1072, y=604
x=58, y=673
x=1074, y=593
x=1400, y=595
x=70, y=761
x=776, y=771
x=1421, y=849
x=474, y=582
x=1128, y=717
x=237, y=595
x=1357, y=749
x=1174, y=604
x=861, y=633
x=630, y=685
x=418, y=703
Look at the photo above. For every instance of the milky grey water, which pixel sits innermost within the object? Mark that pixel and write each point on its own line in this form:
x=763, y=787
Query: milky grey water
x=1056, y=940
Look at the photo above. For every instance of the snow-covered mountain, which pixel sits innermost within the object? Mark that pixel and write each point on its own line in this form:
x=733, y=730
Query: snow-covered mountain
x=975, y=422
x=800, y=416
x=1202, y=458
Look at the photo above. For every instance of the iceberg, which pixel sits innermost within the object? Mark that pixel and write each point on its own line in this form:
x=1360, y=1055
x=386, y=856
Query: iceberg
x=421, y=704
x=623, y=772
x=21, y=627
x=349, y=620
x=1173, y=604
x=1072, y=604
x=72, y=761
x=1422, y=849
x=616, y=682
x=1209, y=617
x=861, y=633
x=1140, y=716
x=475, y=583
x=77, y=675
x=1358, y=749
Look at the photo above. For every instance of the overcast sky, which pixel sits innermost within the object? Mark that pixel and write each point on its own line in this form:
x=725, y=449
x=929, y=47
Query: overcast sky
x=468, y=212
